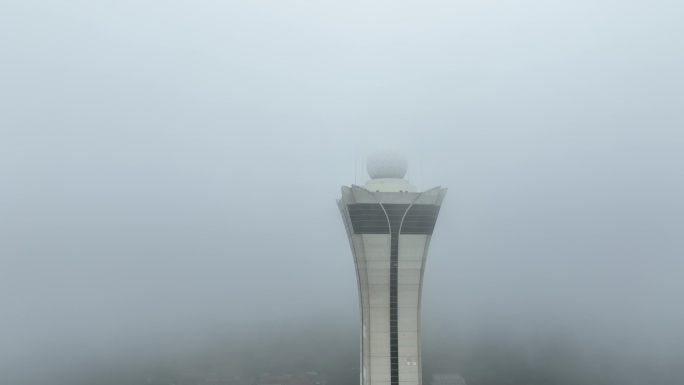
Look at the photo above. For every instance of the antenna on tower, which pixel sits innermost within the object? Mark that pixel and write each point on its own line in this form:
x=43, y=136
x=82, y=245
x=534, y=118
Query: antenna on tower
x=408, y=172
x=420, y=185
x=363, y=165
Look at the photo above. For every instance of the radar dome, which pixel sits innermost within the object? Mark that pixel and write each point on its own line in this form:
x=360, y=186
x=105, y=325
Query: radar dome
x=387, y=164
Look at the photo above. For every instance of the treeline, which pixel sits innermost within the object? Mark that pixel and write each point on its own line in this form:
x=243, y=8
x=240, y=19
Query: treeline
x=331, y=348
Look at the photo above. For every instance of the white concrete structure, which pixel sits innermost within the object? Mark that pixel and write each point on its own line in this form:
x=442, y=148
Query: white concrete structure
x=389, y=225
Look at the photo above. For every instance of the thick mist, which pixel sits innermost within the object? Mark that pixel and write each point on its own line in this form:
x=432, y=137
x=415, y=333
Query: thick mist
x=169, y=170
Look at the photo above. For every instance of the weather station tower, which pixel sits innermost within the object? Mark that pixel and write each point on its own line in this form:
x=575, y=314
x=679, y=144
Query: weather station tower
x=389, y=224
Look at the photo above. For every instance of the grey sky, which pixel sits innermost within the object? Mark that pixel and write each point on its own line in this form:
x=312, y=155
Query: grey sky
x=167, y=166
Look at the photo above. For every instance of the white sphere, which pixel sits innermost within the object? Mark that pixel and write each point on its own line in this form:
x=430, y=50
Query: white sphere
x=387, y=164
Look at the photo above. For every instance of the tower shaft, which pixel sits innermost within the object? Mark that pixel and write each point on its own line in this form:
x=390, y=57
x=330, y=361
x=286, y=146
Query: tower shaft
x=389, y=234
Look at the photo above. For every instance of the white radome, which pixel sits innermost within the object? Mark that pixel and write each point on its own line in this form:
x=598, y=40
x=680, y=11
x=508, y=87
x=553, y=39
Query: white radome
x=387, y=164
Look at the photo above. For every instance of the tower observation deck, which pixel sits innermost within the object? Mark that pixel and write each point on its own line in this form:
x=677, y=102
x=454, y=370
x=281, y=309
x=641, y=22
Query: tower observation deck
x=389, y=225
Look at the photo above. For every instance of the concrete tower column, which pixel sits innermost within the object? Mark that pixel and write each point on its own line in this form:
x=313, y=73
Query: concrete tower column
x=389, y=225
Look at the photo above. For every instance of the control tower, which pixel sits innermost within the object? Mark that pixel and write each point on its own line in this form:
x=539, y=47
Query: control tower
x=389, y=224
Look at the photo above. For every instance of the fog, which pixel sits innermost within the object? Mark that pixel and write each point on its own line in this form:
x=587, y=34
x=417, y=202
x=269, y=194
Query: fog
x=169, y=170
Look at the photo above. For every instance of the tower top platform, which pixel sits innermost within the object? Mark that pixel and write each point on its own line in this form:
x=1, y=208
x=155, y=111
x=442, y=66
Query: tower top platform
x=389, y=185
x=361, y=194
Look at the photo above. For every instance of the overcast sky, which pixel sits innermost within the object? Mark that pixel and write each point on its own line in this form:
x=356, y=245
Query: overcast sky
x=173, y=165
